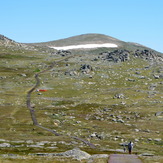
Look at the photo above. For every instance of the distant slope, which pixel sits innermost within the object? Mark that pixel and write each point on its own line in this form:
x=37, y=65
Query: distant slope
x=83, y=39
x=93, y=39
x=75, y=40
x=7, y=41
x=7, y=44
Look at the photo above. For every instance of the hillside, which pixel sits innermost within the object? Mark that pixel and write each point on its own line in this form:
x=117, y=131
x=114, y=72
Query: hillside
x=8, y=45
x=83, y=39
x=93, y=39
x=93, y=99
x=7, y=42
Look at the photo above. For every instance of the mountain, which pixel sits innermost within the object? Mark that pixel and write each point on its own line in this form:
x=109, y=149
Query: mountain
x=84, y=39
x=53, y=101
x=93, y=39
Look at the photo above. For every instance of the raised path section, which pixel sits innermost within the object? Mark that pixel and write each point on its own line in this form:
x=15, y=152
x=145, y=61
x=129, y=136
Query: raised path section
x=123, y=158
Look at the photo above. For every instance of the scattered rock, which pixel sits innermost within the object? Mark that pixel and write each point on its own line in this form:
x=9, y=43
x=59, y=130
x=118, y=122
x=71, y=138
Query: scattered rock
x=159, y=113
x=3, y=145
x=158, y=139
x=119, y=96
x=2, y=140
x=156, y=76
x=76, y=153
x=147, y=154
x=24, y=75
x=29, y=142
x=136, y=140
x=131, y=80
x=107, y=109
x=120, y=120
x=93, y=135
x=35, y=146
x=152, y=87
x=137, y=130
x=86, y=69
x=71, y=73
x=114, y=120
x=63, y=52
x=149, y=139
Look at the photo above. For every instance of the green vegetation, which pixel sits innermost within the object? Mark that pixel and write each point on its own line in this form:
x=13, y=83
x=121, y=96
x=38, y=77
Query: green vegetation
x=116, y=102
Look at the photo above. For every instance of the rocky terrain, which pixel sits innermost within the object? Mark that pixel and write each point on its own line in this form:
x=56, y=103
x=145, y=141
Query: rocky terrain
x=103, y=96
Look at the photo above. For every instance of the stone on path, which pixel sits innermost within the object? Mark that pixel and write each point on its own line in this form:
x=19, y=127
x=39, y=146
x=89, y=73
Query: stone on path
x=123, y=158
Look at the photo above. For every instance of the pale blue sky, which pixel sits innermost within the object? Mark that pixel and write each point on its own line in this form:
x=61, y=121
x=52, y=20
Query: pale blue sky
x=138, y=21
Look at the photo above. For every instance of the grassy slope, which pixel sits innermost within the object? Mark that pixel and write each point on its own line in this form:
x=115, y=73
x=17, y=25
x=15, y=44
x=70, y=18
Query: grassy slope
x=93, y=38
x=82, y=39
x=74, y=105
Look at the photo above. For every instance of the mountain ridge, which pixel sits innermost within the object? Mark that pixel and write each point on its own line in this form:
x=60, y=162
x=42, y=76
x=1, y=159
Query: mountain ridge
x=90, y=38
x=93, y=38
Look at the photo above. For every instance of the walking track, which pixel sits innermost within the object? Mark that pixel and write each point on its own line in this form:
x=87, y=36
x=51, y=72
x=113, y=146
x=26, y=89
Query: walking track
x=32, y=111
x=123, y=158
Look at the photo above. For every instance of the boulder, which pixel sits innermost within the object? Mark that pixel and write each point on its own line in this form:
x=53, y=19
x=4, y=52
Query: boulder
x=76, y=153
x=85, y=68
x=160, y=113
x=147, y=154
x=3, y=145
x=157, y=139
x=63, y=52
x=119, y=96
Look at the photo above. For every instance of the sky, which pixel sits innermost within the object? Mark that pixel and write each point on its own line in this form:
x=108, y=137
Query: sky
x=30, y=21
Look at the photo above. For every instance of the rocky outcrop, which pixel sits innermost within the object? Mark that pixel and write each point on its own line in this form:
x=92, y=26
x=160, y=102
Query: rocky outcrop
x=148, y=55
x=123, y=55
x=145, y=54
x=86, y=69
x=6, y=41
x=116, y=56
x=63, y=52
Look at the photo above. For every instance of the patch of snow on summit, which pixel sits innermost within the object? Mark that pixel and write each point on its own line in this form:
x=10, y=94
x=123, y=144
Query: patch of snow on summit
x=85, y=46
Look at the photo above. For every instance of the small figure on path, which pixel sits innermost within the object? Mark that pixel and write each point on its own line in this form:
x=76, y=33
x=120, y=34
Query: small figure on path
x=124, y=148
x=130, y=147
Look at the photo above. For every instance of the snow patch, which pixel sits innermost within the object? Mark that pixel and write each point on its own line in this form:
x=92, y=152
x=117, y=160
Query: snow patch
x=85, y=46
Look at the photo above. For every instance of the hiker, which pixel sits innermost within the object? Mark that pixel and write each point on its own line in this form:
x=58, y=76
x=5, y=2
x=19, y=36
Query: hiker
x=130, y=146
x=124, y=148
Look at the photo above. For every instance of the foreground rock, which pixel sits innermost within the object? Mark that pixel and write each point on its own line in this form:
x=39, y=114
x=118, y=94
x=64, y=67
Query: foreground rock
x=75, y=153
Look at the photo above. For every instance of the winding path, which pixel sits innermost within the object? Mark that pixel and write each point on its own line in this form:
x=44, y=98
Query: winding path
x=32, y=111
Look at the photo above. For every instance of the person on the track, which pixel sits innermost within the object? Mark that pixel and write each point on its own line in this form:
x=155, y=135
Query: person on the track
x=130, y=147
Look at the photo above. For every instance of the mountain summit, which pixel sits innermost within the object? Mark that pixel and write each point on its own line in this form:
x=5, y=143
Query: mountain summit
x=87, y=39
x=83, y=39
